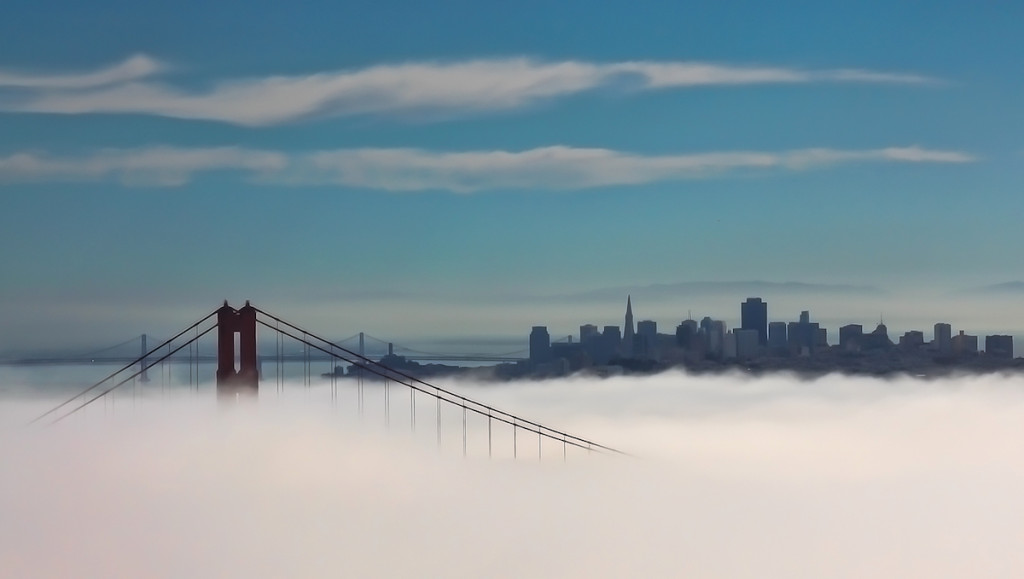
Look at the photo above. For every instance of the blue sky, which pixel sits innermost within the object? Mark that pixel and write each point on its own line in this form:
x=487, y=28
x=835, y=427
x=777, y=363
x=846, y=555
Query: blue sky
x=156, y=158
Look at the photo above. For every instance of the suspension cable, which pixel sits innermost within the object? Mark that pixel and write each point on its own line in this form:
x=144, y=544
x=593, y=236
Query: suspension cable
x=138, y=372
x=123, y=368
x=456, y=399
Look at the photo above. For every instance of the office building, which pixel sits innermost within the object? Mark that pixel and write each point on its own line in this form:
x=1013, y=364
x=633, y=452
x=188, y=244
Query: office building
x=592, y=342
x=748, y=346
x=804, y=336
x=686, y=334
x=588, y=332
x=876, y=340
x=777, y=336
x=647, y=339
x=574, y=355
x=611, y=344
x=628, y=334
x=754, y=316
x=942, y=340
x=999, y=346
x=540, y=345
x=849, y=336
x=729, y=346
x=716, y=338
x=964, y=344
x=912, y=340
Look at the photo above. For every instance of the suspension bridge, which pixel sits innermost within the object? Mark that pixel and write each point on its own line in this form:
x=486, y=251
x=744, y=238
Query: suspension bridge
x=238, y=375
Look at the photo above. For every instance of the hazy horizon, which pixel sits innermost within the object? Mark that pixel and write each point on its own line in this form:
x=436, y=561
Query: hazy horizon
x=496, y=321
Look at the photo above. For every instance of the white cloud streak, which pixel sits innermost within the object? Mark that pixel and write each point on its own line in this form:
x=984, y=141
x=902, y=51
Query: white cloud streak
x=132, y=68
x=562, y=167
x=449, y=88
x=153, y=166
x=545, y=168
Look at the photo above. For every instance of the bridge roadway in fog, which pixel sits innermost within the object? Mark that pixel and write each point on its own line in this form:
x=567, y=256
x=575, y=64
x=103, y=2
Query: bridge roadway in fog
x=267, y=359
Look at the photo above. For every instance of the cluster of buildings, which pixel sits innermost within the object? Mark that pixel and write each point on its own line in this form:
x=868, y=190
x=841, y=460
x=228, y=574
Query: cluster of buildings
x=758, y=341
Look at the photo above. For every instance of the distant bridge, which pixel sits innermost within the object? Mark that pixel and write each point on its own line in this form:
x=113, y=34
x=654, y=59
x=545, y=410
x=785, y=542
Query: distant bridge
x=207, y=359
x=138, y=343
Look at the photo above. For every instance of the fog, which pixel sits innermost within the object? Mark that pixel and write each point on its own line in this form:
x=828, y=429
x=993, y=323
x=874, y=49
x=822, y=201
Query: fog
x=727, y=477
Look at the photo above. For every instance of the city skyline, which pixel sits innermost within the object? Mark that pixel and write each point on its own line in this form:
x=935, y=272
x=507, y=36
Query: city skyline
x=366, y=164
x=757, y=335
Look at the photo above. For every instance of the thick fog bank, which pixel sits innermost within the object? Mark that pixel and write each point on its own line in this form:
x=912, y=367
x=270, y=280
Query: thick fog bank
x=731, y=477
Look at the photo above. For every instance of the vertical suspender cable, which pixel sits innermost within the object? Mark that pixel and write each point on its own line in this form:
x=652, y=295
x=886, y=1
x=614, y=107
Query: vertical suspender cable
x=359, y=387
x=387, y=403
x=515, y=450
x=412, y=409
x=334, y=378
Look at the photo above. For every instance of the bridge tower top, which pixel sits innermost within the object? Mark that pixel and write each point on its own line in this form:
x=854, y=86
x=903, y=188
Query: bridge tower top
x=237, y=369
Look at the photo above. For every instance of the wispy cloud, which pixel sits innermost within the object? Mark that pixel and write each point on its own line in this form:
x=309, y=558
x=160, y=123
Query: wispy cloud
x=451, y=88
x=562, y=167
x=132, y=68
x=545, y=168
x=152, y=166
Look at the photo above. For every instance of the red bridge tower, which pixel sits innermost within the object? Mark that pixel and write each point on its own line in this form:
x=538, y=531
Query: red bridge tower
x=242, y=377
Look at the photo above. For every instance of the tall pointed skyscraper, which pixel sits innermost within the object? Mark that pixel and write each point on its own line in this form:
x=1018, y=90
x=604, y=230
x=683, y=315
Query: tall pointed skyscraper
x=628, y=333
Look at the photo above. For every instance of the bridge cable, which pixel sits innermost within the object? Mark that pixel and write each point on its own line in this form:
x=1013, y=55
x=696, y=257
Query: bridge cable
x=551, y=432
x=386, y=372
x=122, y=369
x=392, y=371
x=460, y=401
x=441, y=355
x=92, y=353
x=505, y=417
x=137, y=373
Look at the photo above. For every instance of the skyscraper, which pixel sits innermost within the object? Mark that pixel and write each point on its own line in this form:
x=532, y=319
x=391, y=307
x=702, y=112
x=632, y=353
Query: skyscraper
x=647, y=336
x=611, y=343
x=628, y=334
x=964, y=344
x=540, y=345
x=588, y=332
x=686, y=334
x=754, y=316
x=716, y=338
x=777, y=335
x=999, y=346
x=942, y=340
x=592, y=342
x=747, y=347
x=804, y=336
x=850, y=336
